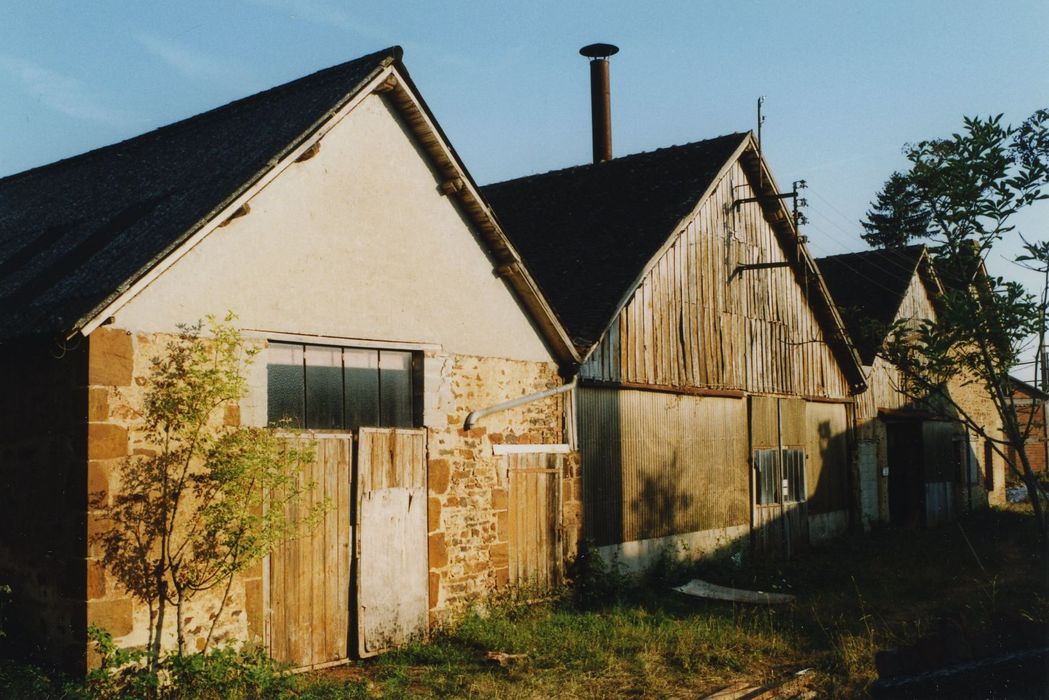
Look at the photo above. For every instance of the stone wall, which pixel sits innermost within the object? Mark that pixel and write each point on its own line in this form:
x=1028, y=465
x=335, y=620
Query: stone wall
x=119, y=363
x=468, y=504
x=468, y=499
x=42, y=499
x=977, y=403
x=1031, y=414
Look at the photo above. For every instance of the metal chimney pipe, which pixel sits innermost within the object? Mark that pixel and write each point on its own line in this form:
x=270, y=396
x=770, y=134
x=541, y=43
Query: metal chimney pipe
x=600, y=98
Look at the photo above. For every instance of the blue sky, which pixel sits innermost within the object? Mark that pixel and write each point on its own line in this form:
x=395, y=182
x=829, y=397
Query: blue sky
x=846, y=83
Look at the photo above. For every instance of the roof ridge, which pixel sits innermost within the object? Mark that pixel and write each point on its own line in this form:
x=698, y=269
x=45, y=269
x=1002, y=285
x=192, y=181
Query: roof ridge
x=395, y=52
x=909, y=248
x=630, y=156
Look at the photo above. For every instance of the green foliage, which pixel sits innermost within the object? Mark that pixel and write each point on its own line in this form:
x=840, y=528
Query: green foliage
x=221, y=673
x=972, y=185
x=593, y=582
x=213, y=498
x=897, y=217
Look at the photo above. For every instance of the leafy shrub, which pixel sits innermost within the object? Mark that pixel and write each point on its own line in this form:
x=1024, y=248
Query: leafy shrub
x=595, y=583
x=239, y=674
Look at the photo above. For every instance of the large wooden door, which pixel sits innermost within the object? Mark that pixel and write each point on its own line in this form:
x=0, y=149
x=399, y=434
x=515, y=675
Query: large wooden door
x=391, y=552
x=780, y=523
x=309, y=575
x=534, y=516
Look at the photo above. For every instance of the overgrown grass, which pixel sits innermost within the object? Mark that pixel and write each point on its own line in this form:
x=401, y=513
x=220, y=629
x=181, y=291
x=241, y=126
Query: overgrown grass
x=618, y=637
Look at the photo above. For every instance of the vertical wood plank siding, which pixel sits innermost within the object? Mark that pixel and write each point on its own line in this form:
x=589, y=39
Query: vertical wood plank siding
x=310, y=574
x=534, y=545
x=826, y=471
x=656, y=464
x=884, y=378
x=696, y=322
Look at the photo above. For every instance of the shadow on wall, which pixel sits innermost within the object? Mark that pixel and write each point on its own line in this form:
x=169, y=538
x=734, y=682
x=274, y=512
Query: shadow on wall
x=663, y=506
x=602, y=490
x=43, y=502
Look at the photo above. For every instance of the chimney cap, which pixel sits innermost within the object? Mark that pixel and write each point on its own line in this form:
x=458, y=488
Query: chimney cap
x=599, y=50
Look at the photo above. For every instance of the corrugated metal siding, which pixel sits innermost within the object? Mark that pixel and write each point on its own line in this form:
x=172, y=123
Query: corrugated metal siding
x=693, y=323
x=656, y=464
x=828, y=457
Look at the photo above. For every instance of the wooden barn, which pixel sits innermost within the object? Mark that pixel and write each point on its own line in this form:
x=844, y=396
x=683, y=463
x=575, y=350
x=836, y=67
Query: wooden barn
x=334, y=218
x=714, y=400
x=916, y=466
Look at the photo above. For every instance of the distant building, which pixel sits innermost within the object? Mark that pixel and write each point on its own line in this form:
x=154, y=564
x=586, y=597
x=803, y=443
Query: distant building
x=1030, y=404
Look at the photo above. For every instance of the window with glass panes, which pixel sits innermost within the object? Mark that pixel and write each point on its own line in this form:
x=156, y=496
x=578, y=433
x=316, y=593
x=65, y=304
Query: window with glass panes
x=321, y=387
x=780, y=475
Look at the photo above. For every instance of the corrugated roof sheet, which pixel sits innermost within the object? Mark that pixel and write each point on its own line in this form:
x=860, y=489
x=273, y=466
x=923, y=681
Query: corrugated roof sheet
x=587, y=232
x=868, y=288
x=76, y=233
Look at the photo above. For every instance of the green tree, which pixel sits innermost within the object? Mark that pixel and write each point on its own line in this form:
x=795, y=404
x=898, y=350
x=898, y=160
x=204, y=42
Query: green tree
x=972, y=185
x=213, y=498
x=897, y=215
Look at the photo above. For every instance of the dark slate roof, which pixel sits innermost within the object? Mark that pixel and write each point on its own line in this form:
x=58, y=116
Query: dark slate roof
x=868, y=287
x=77, y=233
x=587, y=232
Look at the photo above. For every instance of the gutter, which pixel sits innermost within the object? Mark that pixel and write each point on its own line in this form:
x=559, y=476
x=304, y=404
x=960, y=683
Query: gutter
x=514, y=403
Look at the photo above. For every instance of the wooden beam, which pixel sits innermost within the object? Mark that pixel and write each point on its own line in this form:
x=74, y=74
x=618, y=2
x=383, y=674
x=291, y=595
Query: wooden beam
x=386, y=86
x=309, y=152
x=451, y=186
x=242, y=210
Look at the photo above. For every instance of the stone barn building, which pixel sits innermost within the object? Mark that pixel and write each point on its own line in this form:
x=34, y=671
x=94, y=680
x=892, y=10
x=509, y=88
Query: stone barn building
x=332, y=215
x=917, y=466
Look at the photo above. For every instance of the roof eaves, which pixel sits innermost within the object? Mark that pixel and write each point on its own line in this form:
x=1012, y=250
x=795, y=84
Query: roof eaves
x=509, y=264
x=839, y=338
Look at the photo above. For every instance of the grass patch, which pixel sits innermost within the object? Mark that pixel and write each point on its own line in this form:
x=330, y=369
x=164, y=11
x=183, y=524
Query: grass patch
x=619, y=637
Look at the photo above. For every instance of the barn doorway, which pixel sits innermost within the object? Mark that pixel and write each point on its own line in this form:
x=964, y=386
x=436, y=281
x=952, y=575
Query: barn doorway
x=534, y=476
x=905, y=454
x=779, y=507
x=357, y=583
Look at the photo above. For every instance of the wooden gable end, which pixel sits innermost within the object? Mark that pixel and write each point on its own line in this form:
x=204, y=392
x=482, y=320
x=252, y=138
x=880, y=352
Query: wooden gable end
x=882, y=393
x=698, y=322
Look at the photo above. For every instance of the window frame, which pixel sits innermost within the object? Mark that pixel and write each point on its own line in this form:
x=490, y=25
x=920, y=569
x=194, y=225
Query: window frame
x=414, y=394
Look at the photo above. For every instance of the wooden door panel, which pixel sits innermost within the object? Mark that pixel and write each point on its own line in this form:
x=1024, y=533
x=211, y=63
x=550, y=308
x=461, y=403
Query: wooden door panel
x=534, y=519
x=309, y=575
x=391, y=552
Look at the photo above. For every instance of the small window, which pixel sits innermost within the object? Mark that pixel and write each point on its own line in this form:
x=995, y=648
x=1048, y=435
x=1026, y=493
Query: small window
x=793, y=475
x=780, y=475
x=321, y=387
x=767, y=476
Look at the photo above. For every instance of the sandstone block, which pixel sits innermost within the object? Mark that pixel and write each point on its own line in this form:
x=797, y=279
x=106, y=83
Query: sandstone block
x=438, y=475
x=98, y=483
x=97, y=404
x=231, y=415
x=435, y=589
x=111, y=358
x=433, y=514
x=115, y=616
x=437, y=551
x=96, y=580
x=500, y=499
x=499, y=555
x=106, y=441
x=502, y=525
